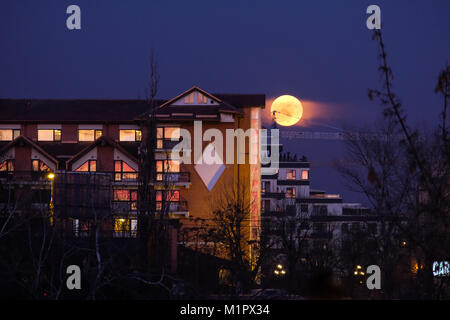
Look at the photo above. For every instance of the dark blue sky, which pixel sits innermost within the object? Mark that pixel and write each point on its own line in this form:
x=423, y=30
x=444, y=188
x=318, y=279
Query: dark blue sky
x=319, y=51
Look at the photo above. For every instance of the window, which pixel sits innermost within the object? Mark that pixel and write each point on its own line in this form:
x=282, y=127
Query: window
x=49, y=135
x=89, y=135
x=344, y=228
x=304, y=208
x=125, y=227
x=202, y=99
x=123, y=172
x=39, y=166
x=126, y=195
x=81, y=228
x=265, y=186
x=88, y=166
x=320, y=211
x=304, y=174
x=130, y=135
x=166, y=133
x=290, y=174
x=7, y=166
x=189, y=99
x=9, y=134
x=290, y=193
x=166, y=166
x=170, y=195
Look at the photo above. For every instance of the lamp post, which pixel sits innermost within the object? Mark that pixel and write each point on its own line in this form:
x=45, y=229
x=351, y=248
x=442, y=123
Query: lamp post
x=358, y=272
x=51, y=177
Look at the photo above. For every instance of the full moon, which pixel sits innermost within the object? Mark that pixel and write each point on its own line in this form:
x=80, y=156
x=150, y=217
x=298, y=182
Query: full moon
x=286, y=110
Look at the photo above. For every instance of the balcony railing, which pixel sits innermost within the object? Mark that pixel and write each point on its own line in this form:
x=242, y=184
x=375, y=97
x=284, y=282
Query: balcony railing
x=172, y=177
x=38, y=176
x=274, y=195
x=172, y=206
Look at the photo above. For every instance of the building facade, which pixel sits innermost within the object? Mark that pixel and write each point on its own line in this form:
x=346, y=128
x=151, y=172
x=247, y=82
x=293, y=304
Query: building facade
x=92, y=150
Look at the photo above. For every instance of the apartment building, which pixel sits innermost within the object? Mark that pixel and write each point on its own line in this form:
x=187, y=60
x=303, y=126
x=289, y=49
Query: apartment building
x=91, y=149
x=317, y=218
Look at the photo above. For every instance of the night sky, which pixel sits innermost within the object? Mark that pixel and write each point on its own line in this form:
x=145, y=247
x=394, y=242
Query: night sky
x=318, y=51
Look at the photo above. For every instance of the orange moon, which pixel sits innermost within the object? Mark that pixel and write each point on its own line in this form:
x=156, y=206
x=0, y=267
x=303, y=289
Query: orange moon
x=286, y=110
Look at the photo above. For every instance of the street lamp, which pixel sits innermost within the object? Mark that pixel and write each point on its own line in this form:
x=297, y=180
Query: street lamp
x=358, y=272
x=279, y=270
x=51, y=177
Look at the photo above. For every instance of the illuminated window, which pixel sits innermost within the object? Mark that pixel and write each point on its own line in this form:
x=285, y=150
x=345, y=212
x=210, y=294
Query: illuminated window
x=166, y=133
x=126, y=195
x=202, y=99
x=265, y=186
x=89, y=135
x=9, y=134
x=130, y=135
x=7, y=166
x=49, y=135
x=39, y=166
x=81, y=228
x=189, y=99
x=88, y=166
x=123, y=172
x=166, y=166
x=290, y=193
x=170, y=195
x=304, y=174
x=124, y=227
x=291, y=174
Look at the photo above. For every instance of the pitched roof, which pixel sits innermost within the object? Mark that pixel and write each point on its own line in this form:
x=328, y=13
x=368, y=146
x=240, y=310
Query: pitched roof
x=22, y=139
x=102, y=141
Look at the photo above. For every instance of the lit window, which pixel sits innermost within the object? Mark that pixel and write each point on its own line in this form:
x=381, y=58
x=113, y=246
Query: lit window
x=123, y=172
x=304, y=174
x=81, y=228
x=170, y=195
x=125, y=227
x=265, y=186
x=89, y=135
x=49, y=135
x=126, y=195
x=291, y=174
x=166, y=166
x=189, y=99
x=290, y=193
x=9, y=134
x=88, y=166
x=39, y=166
x=202, y=99
x=166, y=133
x=130, y=135
x=7, y=166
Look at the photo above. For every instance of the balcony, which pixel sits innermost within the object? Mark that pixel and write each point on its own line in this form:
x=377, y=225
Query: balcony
x=173, y=178
x=273, y=195
x=173, y=207
x=124, y=207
